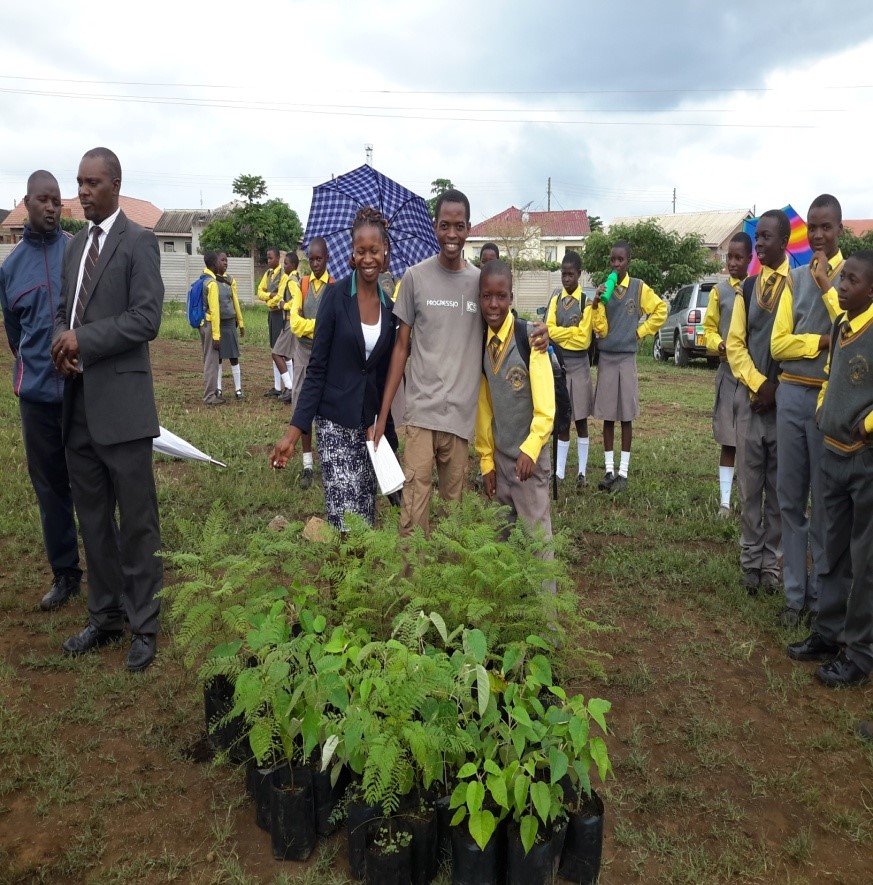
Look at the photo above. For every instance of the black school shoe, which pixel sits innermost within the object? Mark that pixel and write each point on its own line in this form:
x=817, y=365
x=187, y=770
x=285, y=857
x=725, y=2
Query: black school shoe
x=64, y=588
x=842, y=671
x=271, y=392
x=605, y=484
x=814, y=648
x=90, y=639
x=142, y=652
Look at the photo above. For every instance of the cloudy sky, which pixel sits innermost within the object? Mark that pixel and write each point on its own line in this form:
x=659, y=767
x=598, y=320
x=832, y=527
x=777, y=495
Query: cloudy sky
x=735, y=105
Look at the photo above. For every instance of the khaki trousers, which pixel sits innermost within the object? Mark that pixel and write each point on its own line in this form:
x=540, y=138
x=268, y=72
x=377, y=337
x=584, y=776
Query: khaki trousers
x=423, y=448
x=210, y=363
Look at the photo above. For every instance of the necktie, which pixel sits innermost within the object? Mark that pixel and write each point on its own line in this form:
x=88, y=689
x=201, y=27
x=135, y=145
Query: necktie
x=494, y=352
x=87, y=276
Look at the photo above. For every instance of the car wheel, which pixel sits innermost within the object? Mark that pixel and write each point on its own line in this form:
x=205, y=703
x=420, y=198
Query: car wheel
x=658, y=351
x=681, y=355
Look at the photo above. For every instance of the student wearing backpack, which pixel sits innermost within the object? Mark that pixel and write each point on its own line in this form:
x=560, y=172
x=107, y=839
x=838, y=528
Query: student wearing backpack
x=570, y=322
x=516, y=407
x=211, y=396
x=223, y=301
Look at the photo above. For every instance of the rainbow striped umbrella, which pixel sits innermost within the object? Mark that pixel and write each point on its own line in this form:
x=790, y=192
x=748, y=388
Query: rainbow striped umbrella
x=798, y=250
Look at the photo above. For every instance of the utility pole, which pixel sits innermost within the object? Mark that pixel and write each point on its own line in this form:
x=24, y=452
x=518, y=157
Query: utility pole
x=368, y=151
x=549, y=195
x=674, y=200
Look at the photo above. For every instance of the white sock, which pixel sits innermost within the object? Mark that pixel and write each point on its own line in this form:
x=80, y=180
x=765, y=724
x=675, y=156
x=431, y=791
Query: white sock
x=287, y=380
x=563, y=450
x=582, y=449
x=307, y=460
x=609, y=459
x=277, y=378
x=625, y=463
x=218, y=385
x=725, y=480
x=237, y=383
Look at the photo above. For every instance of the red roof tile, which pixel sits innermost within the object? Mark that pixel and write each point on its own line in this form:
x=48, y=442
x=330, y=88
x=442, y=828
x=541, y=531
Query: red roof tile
x=858, y=226
x=563, y=223
x=141, y=211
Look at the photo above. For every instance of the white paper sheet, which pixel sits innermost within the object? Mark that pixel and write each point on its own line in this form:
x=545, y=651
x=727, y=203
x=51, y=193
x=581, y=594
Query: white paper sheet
x=389, y=473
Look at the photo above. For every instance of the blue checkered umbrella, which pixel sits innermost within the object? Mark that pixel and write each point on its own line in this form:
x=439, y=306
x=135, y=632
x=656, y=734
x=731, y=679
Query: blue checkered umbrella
x=333, y=209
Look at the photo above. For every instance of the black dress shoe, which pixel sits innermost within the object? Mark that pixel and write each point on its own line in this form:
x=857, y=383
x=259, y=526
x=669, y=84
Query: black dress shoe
x=605, y=484
x=142, y=651
x=62, y=590
x=814, y=648
x=90, y=638
x=842, y=671
x=271, y=391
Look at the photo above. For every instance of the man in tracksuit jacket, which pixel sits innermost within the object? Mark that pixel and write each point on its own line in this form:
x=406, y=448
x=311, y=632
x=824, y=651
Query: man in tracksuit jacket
x=30, y=286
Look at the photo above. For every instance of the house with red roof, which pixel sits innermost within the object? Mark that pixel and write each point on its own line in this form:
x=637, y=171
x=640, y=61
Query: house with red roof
x=858, y=226
x=543, y=236
x=141, y=211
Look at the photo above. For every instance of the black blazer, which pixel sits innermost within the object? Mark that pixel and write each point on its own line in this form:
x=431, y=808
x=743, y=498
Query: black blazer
x=341, y=384
x=122, y=315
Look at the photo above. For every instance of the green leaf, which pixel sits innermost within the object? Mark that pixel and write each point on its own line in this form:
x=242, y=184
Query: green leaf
x=328, y=750
x=597, y=708
x=538, y=642
x=520, y=790
x=483, y=688
x=511, y=658
x=458, y=816
x=528, y=829
x=600, y=756
x=475, y=795
x=482, y=826
x=440, y=624
x=558, y=764
x=540, y=669
x=337, y=641
x=459, y=796
x=519, y=740
x=226, y=649
x=542, y=799
x=497, y=789
x=578, y=733
x=519, y=714
x=468, y=769
x=492, y=767
x=476, y=645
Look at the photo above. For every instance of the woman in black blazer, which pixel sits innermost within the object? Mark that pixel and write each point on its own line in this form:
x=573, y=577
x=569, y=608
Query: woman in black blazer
x=354, y=338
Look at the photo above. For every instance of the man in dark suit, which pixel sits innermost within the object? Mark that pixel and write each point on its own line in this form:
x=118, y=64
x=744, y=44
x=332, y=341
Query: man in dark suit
x=110, y=308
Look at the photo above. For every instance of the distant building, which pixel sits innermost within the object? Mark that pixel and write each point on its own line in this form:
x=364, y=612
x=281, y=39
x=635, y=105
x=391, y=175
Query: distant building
x=178, y=230
x=543, y=236
x=141, y=211
x=714, y=228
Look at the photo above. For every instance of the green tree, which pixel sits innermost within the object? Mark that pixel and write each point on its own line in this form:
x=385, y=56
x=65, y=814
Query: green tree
x=71, y=225
x=438, y=186
x=254, y=227
x=595, y=223
x=851, y=243
x=664, y=260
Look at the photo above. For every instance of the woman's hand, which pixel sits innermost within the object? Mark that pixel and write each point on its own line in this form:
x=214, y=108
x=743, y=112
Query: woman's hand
x=284, y=449
x=376, y=431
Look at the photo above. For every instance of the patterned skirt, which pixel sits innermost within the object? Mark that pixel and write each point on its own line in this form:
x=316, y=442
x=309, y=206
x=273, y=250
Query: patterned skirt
x=346, y=471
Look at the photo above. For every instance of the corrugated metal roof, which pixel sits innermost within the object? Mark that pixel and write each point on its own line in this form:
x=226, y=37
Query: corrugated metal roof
x=140, y=211
x=178, y=221
x=714, y=227
x=564, y=223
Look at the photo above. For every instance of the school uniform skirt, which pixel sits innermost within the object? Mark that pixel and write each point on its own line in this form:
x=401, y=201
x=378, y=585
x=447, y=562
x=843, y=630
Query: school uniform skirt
x=617, y=396
x=724, y=411
x=228, y=348
x=285, y=344
x=346, y=472
x=579, y=386
x=275, y=324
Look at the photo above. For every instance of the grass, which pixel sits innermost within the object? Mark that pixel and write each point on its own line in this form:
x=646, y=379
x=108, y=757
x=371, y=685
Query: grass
x=732, y=763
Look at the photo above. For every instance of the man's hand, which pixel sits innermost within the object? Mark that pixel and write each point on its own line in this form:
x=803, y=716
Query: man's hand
x=859, y=432
x=722, y=352
x=242, y=332
x=65, y=352
x=524, y=467
x=765, y=398
x=489, y=484
x=539, y=338
x=824, y=343
x=216, y=344
x=820, y=270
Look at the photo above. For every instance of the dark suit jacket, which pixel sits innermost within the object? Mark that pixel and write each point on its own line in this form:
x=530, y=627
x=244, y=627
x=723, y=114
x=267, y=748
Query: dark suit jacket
x=122, y=315
x=341, y=384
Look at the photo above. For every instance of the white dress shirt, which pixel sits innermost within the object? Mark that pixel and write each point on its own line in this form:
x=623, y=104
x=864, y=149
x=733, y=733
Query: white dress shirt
x=105, y=226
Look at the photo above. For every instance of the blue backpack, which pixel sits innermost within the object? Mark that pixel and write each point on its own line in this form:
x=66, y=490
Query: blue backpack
x=197, y=301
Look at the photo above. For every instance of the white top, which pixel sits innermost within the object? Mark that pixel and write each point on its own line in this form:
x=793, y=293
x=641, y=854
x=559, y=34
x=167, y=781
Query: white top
x=105, y=227
x=371, y=336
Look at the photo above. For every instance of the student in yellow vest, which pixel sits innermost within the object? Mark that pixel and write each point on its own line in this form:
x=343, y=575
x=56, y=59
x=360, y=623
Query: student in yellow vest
x=617, y=397
x=270, y=292
x=748, y=352
x=222, y=302
x=728, y=391
x=304, y=307
x=843, y=626
x=286, y=344
x=800, y=341
x=516, y=408
x=570, y=322
x=210, y=354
